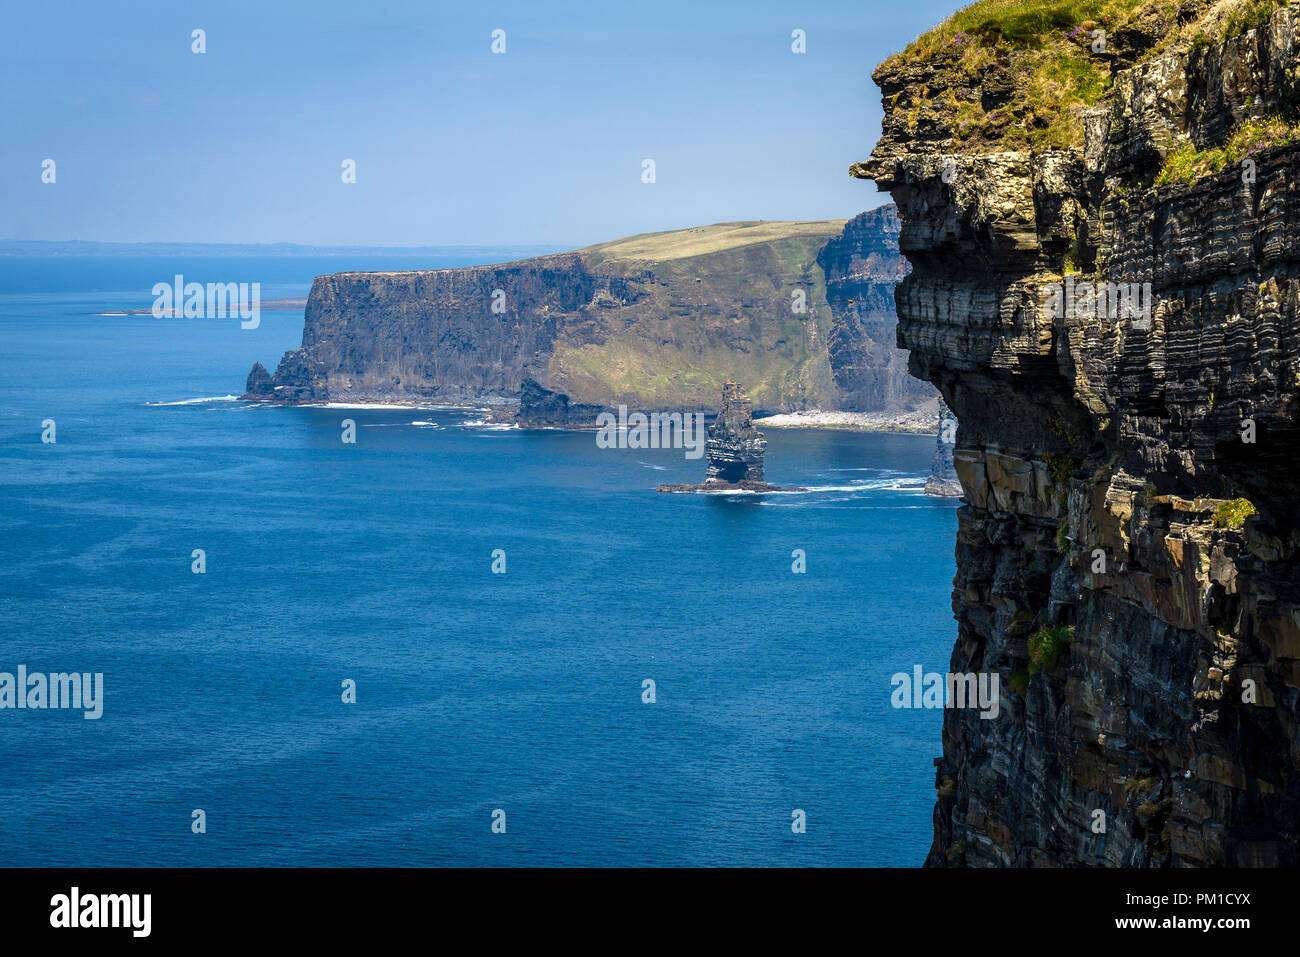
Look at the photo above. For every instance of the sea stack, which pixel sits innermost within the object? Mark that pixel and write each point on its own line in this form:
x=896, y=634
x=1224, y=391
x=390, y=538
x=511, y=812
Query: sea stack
x=734, y=450
x=259, y=385
x=943, y=479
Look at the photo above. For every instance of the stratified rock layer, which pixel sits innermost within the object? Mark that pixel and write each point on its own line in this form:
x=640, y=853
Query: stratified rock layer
x=734, y=450
x=1095, y=456
x=862, y=267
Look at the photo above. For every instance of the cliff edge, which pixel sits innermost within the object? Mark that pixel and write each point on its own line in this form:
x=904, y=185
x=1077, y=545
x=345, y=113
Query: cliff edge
x=1104, y=233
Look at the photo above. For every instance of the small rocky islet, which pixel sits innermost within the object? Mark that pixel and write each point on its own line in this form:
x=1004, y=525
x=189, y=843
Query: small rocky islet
x=734, y=450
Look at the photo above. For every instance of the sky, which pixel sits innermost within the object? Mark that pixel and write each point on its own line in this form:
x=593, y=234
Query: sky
x=453, y=144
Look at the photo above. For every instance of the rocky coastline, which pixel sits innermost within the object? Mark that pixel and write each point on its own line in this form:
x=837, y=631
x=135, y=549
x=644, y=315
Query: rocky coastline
x=803, y=311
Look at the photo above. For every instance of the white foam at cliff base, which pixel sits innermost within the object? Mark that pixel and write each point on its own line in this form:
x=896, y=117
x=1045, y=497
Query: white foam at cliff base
x=362, y=406
x=211, y=398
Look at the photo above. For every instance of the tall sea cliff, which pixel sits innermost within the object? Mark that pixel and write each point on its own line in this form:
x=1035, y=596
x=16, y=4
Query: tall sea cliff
x=1128, y=554
x=802, y=313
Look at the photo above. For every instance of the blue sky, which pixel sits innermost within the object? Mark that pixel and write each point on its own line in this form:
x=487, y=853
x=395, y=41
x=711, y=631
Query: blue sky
x=453, y=144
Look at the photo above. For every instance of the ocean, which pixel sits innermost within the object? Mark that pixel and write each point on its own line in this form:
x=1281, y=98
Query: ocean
x=515, y=697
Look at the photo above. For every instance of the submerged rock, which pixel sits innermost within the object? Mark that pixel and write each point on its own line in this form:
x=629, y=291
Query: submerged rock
x=734, y=450
x=943, y=479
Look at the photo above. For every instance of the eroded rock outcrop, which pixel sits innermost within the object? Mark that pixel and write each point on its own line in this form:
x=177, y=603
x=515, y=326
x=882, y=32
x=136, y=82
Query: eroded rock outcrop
x=1102, y=459
x=734, y=449
x=541, y=408
x=943, y=481
x=259, y=385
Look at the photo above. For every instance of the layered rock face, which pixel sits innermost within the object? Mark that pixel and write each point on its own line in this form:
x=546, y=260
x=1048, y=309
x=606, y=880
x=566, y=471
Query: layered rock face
x=862, y=267
x=404, y=335
x=1098, y=455
x=735, y=448
x=943, y=481
x=657, y=321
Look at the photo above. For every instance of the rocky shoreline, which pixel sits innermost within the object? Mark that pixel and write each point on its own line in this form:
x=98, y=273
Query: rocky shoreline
x=715, y=487
x=920, y=421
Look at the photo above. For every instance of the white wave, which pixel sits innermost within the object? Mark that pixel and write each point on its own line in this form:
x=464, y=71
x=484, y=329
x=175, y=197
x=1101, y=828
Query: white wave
x=830, y=503
x=859, y=486
x=878, y=485
x=373, y=405
x=488, y=426
x=211, y=398
x=878, y=471
x=838, y=488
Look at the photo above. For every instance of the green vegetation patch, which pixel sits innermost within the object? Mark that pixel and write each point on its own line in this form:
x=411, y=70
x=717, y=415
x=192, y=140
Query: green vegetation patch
x=1017, y=74
x=1188, y=164
x=1036, y=56
x=1249, y=16
x=1029, y=24
x=1135, y=785
x=1045, y=648
x=719, y=310
x=1233, y=513
x=704, y=240
x=1063, y=537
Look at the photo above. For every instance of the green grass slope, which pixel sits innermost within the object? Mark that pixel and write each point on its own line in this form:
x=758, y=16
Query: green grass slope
x=704, y=306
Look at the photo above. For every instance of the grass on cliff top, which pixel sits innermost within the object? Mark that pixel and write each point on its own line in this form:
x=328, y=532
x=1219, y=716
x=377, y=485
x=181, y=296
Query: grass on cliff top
x=1038, y=53
x=1018, y=74
x=1233, y=18
x=703, y=240
x=1023, y=24
x=1187, y=164
x=719, y=311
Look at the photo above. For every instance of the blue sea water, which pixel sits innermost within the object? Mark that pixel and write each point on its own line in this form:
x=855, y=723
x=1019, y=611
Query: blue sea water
x=373, y=562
